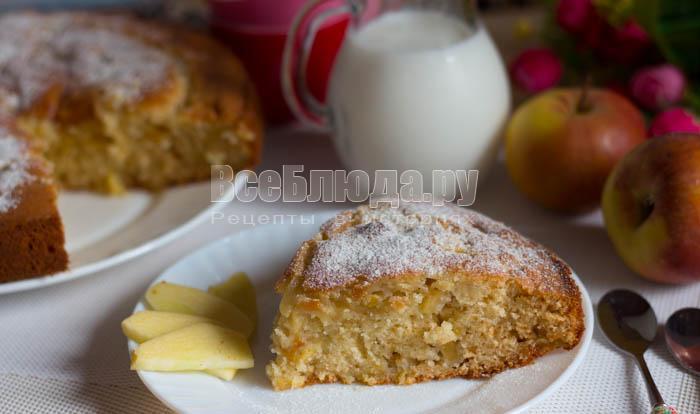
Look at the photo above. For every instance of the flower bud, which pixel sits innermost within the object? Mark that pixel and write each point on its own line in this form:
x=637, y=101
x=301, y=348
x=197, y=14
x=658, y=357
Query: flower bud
x=536, y=69
x=625, y=44
x=674, y=120
x=657, y=87
x=574, y=15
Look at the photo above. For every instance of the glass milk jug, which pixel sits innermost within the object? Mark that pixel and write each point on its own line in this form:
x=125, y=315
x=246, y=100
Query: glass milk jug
x=417, y=85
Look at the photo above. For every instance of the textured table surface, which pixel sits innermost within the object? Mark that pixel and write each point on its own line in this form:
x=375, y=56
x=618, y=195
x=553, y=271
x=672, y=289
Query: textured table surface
x=63, y=351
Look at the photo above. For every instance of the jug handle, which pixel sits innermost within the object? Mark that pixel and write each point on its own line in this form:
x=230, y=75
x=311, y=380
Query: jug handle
x=296, y=91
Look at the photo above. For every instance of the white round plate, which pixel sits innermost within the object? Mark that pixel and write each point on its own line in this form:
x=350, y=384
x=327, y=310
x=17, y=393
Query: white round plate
x=103, y=231
x=263, y=253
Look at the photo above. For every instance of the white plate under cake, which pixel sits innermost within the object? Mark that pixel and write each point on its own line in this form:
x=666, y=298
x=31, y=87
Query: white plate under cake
x=403, y=295
x=263, y=253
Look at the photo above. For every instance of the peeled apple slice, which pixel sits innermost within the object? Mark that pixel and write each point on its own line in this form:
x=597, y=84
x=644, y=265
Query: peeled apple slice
x=170, y=297
x=239, y=291
x=203, y=346
x=148, y=324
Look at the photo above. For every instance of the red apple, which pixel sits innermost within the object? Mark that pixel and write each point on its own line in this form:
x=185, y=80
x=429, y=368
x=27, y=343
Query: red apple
x=560, y=148
x=651, y=205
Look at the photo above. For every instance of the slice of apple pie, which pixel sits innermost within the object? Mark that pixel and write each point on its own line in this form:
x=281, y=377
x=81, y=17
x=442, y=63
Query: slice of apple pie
x=402, y=295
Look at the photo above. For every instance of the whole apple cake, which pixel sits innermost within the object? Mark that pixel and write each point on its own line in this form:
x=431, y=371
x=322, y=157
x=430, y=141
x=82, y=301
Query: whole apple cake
x=108, y=102
x=403, y=295
x=115, y=102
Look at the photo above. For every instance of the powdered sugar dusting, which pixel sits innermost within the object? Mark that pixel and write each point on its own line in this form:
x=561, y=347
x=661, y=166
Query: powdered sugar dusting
x=368, y=244
x=77, y=52
x=14, y=166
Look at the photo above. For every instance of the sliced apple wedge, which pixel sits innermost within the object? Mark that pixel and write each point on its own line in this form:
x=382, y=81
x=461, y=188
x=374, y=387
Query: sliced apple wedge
x=224, y=374
x=239, y=291
x=170, y=297
x=148, y=324
x=145, y=325
x=203, y=346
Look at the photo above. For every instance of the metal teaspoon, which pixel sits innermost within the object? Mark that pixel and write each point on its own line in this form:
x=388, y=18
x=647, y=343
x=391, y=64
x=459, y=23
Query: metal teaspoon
x=629, y=322
x=682, y=332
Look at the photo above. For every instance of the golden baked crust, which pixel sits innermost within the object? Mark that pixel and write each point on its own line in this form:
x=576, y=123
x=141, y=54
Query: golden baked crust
x=31, y=232
x=116, y=102
x=416, y=293
x=421, y=238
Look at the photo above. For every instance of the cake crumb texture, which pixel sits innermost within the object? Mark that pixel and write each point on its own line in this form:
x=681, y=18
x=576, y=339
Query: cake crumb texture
x=399, y=296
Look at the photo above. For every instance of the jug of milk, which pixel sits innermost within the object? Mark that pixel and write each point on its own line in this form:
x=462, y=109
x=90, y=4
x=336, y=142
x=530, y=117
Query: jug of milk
x=417, y=85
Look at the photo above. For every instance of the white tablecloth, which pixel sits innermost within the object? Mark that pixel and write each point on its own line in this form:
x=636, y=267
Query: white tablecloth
x=63, y=351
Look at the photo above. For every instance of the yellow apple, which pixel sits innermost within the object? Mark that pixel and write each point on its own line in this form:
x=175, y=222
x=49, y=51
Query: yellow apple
x=651, y=206
x=561, y=147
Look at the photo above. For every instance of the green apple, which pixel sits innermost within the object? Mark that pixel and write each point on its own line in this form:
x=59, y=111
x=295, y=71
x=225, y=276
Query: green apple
x=651, y=205
x=562, y=144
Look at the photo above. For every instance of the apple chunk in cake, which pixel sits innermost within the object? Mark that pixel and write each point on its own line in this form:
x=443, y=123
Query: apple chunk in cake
x=386, y=295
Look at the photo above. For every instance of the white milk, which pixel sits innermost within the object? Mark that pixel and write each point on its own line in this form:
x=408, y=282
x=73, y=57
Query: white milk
x=418, y=90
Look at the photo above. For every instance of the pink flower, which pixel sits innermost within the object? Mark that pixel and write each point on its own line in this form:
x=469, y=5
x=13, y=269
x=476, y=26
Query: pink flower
x=632, y=32
x=674, y=120
x=657, y=87
x=536, y=69
x=574, y=15
x=624, y=44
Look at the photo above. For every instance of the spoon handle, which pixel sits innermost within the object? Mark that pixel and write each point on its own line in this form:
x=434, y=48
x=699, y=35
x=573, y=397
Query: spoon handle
x=654, y=394
x=657, y=402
